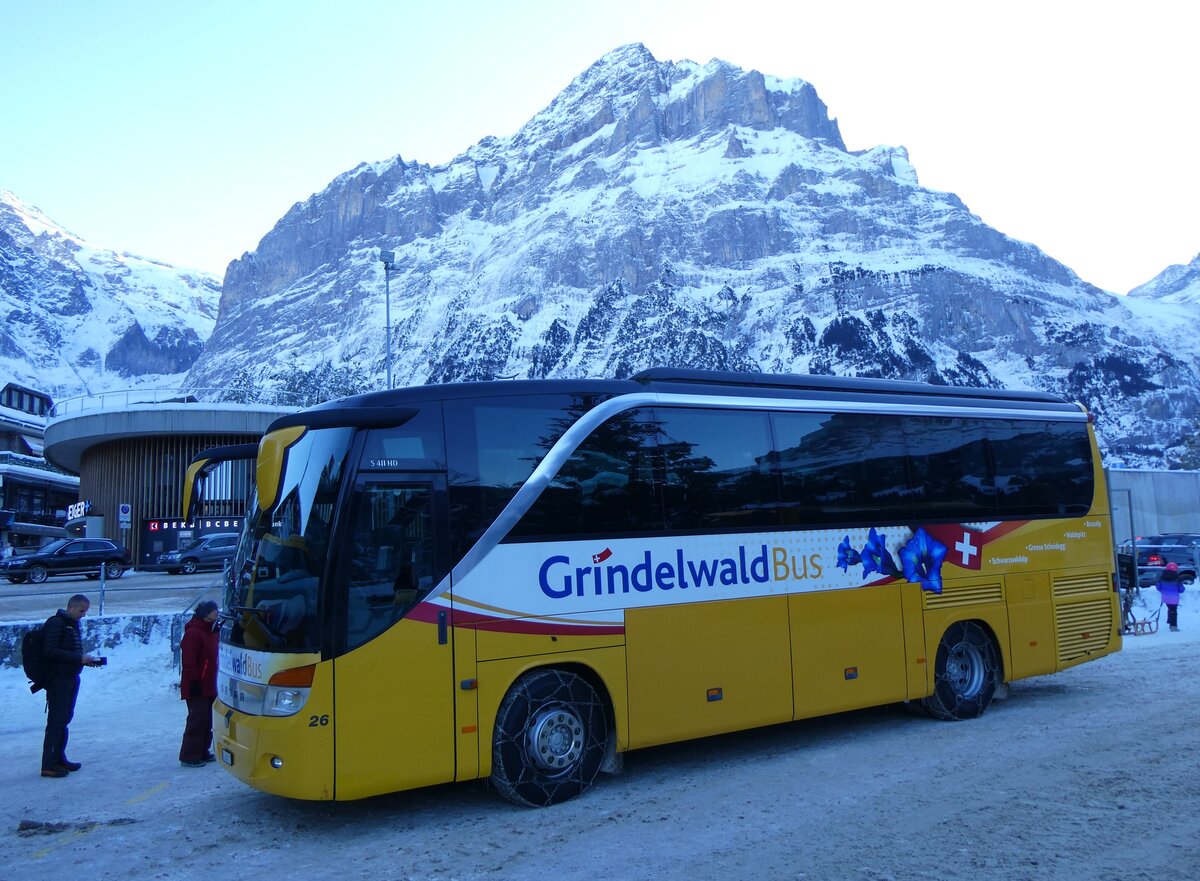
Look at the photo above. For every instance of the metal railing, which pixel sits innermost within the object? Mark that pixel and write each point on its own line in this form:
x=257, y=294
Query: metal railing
x=124, y=398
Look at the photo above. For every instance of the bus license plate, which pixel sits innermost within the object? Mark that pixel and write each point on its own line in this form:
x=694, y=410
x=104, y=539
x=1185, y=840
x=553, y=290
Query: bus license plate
x=227, y=757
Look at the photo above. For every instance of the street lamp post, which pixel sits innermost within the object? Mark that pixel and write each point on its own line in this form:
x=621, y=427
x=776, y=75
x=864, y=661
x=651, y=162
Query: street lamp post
x=388, y=259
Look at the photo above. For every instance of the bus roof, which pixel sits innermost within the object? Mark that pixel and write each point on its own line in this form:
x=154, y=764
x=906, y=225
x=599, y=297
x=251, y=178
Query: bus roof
x=397, y=405
x=674, y=377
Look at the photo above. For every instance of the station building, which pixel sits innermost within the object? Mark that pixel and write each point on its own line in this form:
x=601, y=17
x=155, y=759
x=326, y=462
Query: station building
x=131, y=455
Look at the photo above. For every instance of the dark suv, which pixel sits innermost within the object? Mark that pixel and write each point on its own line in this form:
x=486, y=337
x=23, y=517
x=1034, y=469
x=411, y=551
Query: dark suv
x=1156, y=551
x=206, y=552
x=68, y=556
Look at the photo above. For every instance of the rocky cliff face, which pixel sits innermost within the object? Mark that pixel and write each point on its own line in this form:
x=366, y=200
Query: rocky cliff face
x=78, y=318
x=679, y=214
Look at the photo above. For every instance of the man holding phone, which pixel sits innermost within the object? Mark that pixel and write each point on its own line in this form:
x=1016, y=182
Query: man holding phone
x=62, y=646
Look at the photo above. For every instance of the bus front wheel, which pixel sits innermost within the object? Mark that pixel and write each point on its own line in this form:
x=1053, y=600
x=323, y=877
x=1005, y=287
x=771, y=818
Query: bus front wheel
x=966, y=673
x=550, y=738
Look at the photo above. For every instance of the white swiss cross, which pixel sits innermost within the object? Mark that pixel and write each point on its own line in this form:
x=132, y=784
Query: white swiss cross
x=966, y=548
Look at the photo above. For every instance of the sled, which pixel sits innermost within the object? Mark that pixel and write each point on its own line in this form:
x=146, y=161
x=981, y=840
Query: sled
x=1143, y=627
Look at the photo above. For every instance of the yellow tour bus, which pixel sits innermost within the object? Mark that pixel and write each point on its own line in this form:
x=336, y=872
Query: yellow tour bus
x=523, y=580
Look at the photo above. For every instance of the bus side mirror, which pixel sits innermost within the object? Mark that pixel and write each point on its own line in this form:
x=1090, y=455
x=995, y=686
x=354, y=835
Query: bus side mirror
x=201, y=467
x=193, y=491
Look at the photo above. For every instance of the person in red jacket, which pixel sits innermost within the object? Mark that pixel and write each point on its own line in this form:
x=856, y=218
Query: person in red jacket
x=198, y=685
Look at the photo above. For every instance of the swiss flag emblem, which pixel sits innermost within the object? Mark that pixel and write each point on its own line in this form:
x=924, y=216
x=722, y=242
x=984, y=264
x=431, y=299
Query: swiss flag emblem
x=602, y=556
x=967, y=551
x=964, y=547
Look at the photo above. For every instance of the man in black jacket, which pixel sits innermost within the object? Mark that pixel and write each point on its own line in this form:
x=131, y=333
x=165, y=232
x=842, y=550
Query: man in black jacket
x=63, y=647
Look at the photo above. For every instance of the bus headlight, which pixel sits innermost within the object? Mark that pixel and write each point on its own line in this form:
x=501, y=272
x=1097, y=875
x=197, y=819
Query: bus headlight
x=287, y=691
x=284, y=701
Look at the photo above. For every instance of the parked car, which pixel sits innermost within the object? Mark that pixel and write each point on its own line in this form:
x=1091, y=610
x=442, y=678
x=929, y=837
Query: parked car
x=206, y=552
x=1156, y=551
x=68, y=556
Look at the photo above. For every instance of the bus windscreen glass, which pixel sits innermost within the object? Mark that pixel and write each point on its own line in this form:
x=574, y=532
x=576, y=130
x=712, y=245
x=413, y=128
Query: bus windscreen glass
x=273, y=595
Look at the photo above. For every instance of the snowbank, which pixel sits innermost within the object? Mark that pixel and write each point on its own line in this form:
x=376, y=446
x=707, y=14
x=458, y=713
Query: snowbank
x=102, y=635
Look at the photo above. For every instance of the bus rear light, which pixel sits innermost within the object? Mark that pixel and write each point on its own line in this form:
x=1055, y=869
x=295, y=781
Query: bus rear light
x=297, y=677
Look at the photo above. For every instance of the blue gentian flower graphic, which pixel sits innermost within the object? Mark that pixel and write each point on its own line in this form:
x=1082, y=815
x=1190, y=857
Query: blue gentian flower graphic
x=875, y=556
x=847, y=555
x=922, y=558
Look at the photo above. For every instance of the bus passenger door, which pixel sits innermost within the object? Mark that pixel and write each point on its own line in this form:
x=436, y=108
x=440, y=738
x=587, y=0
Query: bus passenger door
x=394, y=673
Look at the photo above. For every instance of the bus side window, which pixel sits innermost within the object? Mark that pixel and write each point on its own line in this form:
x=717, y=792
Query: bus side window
x=719, y=472
x=840, y=468
x=952, y=468
x=611, y=485
x=493, y=446
x=1041, y=468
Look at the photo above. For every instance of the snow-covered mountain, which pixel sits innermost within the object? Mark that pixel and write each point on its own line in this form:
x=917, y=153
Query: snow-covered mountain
x=1175, y=284
x=687, y=214
x=82, y=319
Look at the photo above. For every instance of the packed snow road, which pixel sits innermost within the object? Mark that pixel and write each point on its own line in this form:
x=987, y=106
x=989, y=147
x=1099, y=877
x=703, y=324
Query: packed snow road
x=1088, y=774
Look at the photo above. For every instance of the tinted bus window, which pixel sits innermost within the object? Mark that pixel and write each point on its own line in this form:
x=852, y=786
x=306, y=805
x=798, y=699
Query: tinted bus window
x=611, y=485
x=1043, y=469
x=698, y=470
x=414, y=446
x=718, y=469
x=951, y=468
x=493, y=446
x=843, y=468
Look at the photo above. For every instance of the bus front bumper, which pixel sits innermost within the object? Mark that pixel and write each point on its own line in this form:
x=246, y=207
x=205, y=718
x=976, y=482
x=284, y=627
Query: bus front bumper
x=280, y=755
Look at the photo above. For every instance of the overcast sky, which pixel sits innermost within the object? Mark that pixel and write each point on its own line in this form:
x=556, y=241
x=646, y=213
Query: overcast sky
x=183, y=132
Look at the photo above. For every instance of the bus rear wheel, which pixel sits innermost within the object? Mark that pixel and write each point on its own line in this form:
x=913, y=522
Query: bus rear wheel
x=966, y=673
x=550, y=738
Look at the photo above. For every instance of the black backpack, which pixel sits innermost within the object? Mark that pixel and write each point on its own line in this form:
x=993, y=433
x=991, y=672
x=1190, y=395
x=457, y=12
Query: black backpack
x=33, y=659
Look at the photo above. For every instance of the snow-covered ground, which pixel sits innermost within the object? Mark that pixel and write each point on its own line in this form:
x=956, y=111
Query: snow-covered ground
x=1089, y=774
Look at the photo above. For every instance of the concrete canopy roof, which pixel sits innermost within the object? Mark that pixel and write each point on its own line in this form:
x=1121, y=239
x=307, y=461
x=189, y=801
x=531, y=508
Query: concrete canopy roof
x=68, y=437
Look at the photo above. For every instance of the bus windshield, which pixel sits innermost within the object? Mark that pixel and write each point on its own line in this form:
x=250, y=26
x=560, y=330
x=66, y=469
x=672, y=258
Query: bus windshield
x=273, y=591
